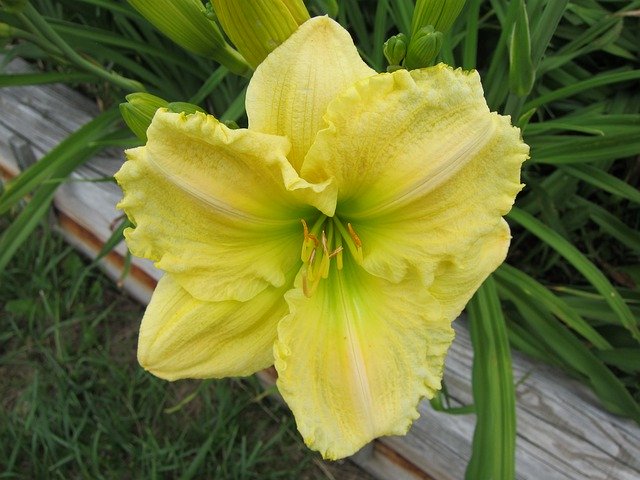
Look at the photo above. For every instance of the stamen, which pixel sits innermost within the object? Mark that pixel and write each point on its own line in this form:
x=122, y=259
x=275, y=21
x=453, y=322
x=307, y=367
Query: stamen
x=307, y=289
x=324, y=266
x=326, y=240
x=310, y=269
x=309, y=242
x=325, y=247
x=354, y=235
x=338, y=252
x=353, y=242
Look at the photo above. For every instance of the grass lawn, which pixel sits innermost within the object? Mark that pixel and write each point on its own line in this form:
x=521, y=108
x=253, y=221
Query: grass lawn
x=75, y=403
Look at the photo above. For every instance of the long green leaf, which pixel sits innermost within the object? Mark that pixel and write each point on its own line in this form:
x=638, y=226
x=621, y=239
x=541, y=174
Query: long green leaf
x=574, y=354
x=21, y=79
x=61, y=161
x=521, y=71
x=544, y=27
x=494, y=439
x=470, y=45
x=603, y=180
x=610, y=224
x=536, y=292
x=607, y=78
x=582, y=264
x=583, y=149
x=67, y=154
x=626, y=359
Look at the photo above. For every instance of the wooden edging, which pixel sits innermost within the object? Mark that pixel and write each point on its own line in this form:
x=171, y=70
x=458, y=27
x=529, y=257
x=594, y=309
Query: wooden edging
x=562, y=432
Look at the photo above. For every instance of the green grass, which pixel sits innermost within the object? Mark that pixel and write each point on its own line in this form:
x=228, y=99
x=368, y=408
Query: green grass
x=76, y=404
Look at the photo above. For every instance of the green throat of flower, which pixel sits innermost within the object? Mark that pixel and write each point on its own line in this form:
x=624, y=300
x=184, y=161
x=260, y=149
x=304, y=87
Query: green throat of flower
x=326, y=240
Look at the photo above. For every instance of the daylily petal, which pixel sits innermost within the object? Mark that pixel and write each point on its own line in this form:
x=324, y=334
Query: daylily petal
x=422, y=167
x=181, y=337
x=219, y=209
x=355, y=358
x=456, y=281
x=290, y=90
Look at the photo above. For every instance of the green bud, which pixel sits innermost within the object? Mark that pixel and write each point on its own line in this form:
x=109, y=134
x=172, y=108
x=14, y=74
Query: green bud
x=297, y=10
x=257, y=27
x=186, y=23
x=231, y=124
x=395, y=49
x=423, y=48
x=439, y=13
x=13, y=6
x=6, y=30
x=184, y=107
x=138, y=111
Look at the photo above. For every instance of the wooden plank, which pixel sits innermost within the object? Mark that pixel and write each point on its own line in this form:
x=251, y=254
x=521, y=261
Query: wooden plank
x=562, y=432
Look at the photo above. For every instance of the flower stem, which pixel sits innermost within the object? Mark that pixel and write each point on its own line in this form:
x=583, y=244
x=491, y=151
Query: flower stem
x=32, y=17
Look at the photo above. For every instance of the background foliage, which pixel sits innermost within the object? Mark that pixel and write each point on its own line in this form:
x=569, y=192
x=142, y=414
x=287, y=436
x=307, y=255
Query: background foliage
x=566, y=71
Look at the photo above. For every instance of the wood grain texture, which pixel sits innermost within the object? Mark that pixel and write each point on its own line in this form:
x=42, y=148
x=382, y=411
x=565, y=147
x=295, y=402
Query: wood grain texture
x=562, y=432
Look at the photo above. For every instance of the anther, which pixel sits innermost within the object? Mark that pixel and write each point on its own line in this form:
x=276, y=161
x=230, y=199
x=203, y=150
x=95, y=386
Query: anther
x=325, y=247
x=354, y=235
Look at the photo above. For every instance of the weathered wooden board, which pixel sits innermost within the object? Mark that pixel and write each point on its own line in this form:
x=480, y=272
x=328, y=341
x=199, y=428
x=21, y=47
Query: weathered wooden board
x=562, y=433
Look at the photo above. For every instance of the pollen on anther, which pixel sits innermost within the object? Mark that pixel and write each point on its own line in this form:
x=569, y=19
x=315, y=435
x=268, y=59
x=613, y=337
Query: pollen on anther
x=354, y=235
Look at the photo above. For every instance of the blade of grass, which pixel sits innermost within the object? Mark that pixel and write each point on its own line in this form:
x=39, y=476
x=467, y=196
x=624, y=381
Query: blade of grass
x=496, y=81
x=610, y=224
x=544, y=27
x=576, y=149
x=470, y=45
x=494, y=439
x=521, y=72
x=626, y=359
x=602, y=79
x=379, y=34
x=81, y=33
x=22, y=79
x=209, y=85
x=536, y=292
x=236, y=109
x=574, y=354
x=32, y=15
x=401, y=13
x=582, y=264
x=61, y=161
x=603, y=180
x=67, y=154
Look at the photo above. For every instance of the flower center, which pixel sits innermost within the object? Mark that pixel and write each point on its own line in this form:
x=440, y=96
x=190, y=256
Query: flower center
x=326, y=240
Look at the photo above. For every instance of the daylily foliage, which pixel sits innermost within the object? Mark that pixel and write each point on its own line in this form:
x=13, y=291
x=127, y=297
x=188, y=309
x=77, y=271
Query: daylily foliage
x=337, y=237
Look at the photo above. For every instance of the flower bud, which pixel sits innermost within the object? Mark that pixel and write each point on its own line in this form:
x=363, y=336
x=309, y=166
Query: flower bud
x=439, y=13
x=186, y=23
x=184, y=107
x=138, y=111
x=6, y=31
x=395, y=49
x=423, y=48
x=257, y=27
x=297, y=10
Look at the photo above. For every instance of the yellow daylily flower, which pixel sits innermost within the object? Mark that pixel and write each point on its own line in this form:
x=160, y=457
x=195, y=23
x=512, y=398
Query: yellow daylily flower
x=337, y=237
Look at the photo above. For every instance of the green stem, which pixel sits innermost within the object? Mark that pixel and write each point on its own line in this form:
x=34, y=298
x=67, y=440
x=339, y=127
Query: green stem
x=36, y=40
x=231, y=58
x=31, y=16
